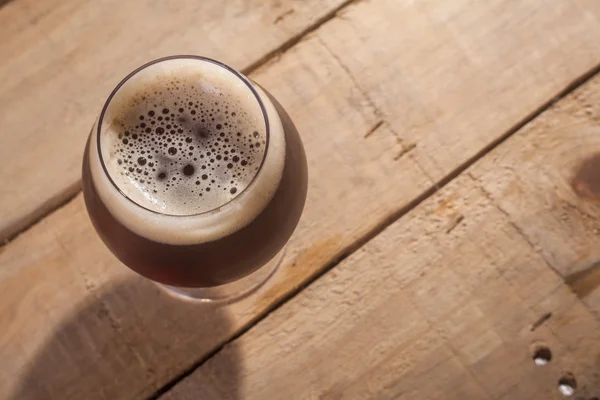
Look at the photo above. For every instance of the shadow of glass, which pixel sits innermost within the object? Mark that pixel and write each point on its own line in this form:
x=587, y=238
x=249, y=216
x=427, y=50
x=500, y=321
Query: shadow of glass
x=126, y=342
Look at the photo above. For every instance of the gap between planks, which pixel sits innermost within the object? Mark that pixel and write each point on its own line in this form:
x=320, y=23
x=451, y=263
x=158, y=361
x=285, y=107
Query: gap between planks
x=351, y=248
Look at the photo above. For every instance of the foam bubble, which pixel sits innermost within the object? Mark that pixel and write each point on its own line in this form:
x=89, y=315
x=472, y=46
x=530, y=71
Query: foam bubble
x=184, y=143
x=180, y=219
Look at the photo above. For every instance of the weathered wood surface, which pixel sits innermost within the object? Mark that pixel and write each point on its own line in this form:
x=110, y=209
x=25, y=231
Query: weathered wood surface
x=382, y=120
x=452, y=300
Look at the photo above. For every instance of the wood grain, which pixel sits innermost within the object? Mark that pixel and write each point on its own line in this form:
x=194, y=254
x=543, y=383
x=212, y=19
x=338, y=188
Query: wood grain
x=423, y=313
x=366, y=164
x=61, y=59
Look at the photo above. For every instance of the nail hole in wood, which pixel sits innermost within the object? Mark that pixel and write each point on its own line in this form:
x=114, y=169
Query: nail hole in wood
x=542, y=356
x=567, y=385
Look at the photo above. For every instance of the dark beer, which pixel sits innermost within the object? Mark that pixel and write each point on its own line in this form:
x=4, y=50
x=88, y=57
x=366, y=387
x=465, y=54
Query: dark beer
x=193, y=176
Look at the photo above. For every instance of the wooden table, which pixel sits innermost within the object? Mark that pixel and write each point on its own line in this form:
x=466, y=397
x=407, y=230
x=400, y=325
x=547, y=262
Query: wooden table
x=452, y=223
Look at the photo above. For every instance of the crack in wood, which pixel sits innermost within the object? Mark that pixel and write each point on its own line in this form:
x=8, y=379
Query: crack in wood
x=358, y=87
x=454, y=221
x=540, y=321
x=514, y=225
x=282, y=16
x=406, y=148
x=373, y=129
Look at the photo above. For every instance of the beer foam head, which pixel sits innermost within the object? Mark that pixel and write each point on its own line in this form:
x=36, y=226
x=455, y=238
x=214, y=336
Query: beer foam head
x=182, y=137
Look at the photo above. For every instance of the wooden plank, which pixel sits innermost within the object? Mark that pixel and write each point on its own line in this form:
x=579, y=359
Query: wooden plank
x=363, y=173
x=427, y=312
x=547, y=181
x=62, y=58
x=423, y=65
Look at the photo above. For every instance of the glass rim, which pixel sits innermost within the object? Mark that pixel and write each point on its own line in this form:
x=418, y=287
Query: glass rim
x=175, y=57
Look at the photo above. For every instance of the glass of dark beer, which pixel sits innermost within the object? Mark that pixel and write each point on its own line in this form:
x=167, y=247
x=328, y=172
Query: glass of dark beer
x=195, y=177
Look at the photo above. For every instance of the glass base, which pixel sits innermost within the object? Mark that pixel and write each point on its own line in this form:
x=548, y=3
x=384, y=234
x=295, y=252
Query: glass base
x=229, y=292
